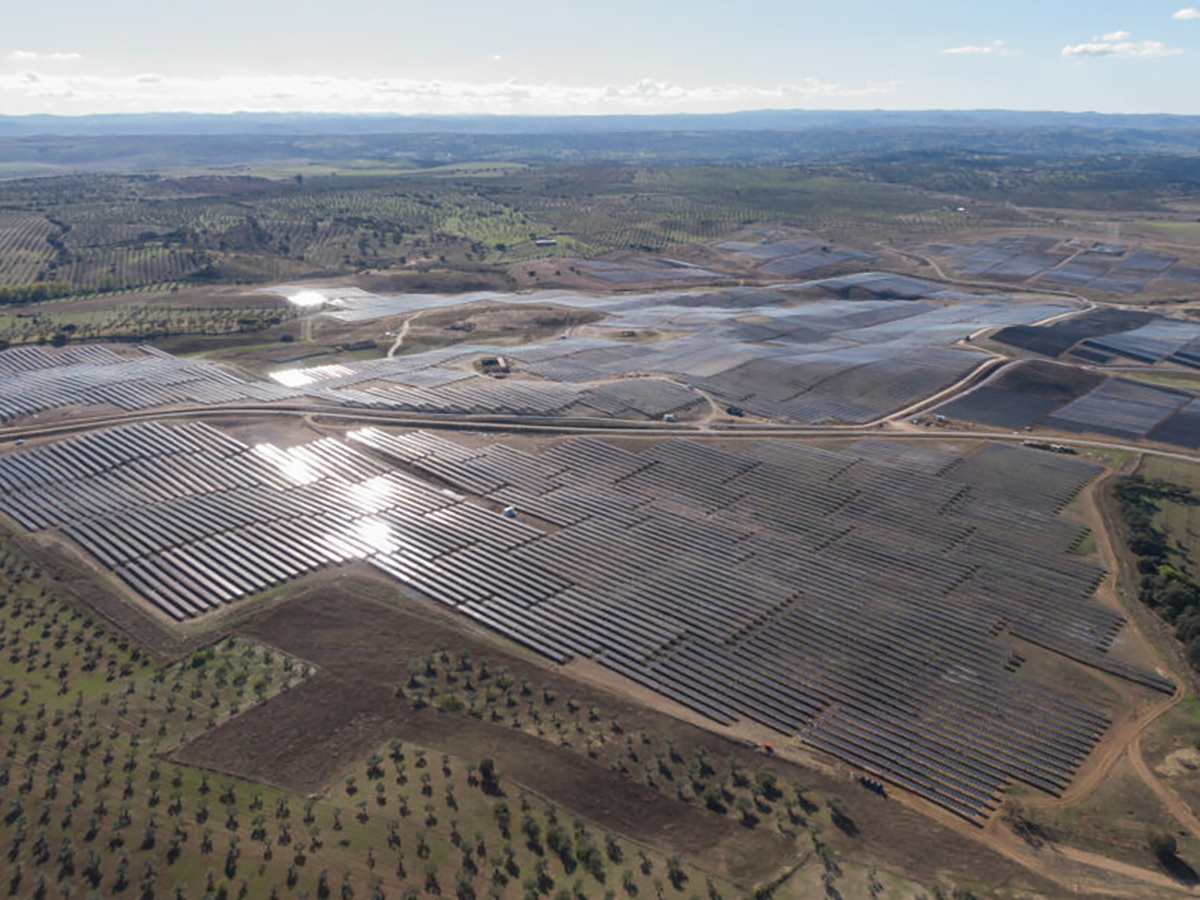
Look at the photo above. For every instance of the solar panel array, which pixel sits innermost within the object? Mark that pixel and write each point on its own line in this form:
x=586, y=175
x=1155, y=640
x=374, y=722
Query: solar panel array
x=699, y=573
x=1159, y=340
x=791, y=258
x=774, y=352
x=1102, y=267
x=645, y=270
x=1102, y=335
x=191, y=519
x=645, y=309
x=822, y=361
x=33, y=380
x=1067, y=399
x=855, y=598
x=1007, y=258
x=1056, y=338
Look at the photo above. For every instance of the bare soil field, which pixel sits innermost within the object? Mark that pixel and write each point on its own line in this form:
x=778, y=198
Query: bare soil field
x=484, y=322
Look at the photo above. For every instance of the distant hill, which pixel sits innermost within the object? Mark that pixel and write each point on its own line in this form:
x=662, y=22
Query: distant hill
x=162, y=141
x=758, y=120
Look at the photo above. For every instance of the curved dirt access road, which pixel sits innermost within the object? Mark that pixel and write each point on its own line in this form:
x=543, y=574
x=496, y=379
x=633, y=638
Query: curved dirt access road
x=974, y=379
x=1172, y=801
x=402, y=334
x=1119, y=742
x=1124, y=732
x=1080, y=871
x=1123, y=739
x=1114, y=867
x=1087, y=781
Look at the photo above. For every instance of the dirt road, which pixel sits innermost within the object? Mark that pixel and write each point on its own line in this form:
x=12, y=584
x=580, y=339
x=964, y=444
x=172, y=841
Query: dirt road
x=1172, y=801
x=401, y=335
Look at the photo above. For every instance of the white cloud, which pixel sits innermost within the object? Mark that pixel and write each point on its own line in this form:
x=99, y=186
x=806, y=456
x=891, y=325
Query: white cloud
x=1187, y=13
x=495, y=57
x=995, y=48
x=31, y=55
x=41, y=91
x=1120, y=44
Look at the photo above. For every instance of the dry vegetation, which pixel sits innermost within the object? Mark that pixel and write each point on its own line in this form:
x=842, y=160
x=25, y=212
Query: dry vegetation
x=105, y=234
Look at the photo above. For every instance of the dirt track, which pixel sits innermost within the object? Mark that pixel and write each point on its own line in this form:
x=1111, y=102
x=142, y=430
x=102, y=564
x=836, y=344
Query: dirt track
x=1123, y=732
x=1172, y=801
x=401, y=335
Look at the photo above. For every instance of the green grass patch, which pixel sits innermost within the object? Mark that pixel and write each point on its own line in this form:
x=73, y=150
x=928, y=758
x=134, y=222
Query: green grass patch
x=1189, y=232
x=1179, y=522
x=1112, y=458
x=1184, y=380
x=1086, y=545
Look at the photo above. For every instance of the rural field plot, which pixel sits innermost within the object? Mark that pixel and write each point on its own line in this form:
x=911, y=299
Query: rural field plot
x=102, y=232
x=24, y=251
x=857, y=599
x=1053, y=395
x=33, y=380
x=1067, y=263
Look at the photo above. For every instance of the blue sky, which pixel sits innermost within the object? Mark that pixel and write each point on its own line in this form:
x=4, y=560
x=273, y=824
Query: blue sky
x=529, y=56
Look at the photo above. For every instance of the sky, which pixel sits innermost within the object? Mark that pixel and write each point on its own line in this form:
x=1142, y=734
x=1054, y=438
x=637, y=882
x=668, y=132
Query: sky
x=530, y=57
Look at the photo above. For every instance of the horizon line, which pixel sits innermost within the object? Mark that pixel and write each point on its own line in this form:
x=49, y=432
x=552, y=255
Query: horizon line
x=601, y=115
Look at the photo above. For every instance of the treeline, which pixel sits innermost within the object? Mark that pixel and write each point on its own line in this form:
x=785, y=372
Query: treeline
x=34, y=292
x=1166, y=588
